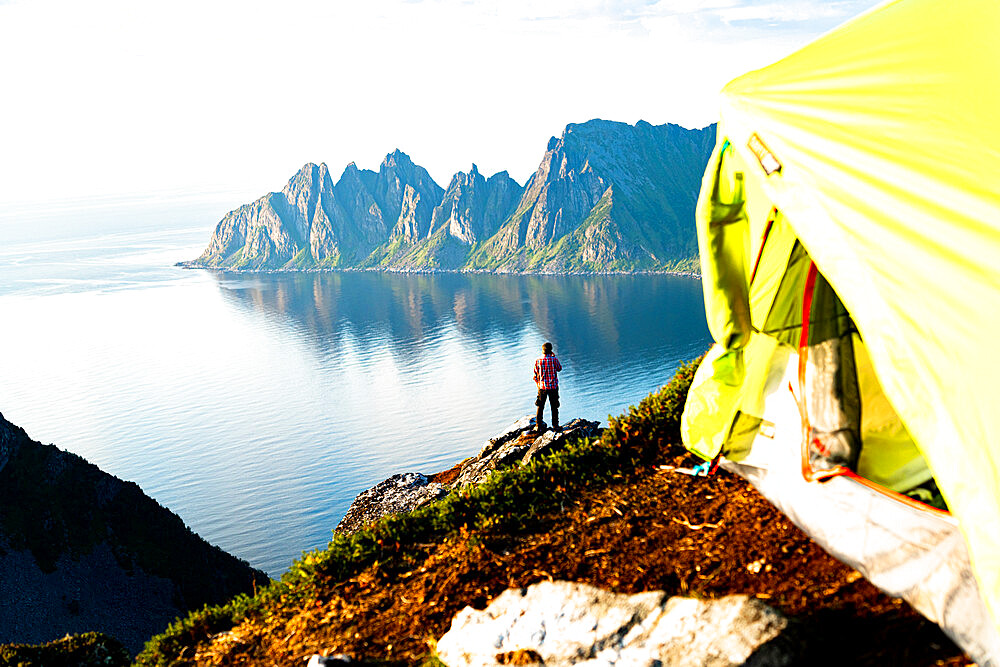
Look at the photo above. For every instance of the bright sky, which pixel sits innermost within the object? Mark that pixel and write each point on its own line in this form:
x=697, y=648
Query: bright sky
x=227, y=99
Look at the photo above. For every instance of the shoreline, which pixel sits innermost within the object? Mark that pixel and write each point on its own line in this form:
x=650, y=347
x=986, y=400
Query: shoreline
x=431, y=270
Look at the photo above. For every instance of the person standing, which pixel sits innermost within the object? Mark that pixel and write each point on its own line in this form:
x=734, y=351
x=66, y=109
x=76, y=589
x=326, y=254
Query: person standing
x=547, y=380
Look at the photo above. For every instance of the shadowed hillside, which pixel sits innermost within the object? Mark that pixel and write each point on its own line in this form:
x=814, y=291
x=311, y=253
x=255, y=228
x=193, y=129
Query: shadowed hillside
x=81, y=550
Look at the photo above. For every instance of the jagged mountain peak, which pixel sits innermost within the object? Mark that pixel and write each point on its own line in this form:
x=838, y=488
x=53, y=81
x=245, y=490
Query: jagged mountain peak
x=465, y=178
x=601, y=124
x=606, y=195
x=308, y=175
x=308, y=171
x=351, y=174
x=502, y=180
x=396, y=158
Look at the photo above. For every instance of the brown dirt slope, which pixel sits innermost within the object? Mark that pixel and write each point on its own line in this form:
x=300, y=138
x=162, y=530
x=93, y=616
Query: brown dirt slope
x=644, y=529
x=658, y=531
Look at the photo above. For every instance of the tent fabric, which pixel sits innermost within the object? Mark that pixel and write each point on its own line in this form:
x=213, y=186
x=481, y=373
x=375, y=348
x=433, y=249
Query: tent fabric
x=887, y=147
x=916, y=554
x=890, y=457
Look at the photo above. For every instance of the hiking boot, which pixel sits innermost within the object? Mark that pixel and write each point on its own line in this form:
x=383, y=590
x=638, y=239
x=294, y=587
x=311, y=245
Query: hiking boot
x=557, y=428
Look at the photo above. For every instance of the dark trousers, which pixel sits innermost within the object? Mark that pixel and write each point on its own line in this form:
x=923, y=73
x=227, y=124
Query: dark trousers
x=553, y=396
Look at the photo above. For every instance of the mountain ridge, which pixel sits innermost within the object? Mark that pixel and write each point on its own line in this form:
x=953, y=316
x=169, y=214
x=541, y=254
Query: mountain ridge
x=606, y=197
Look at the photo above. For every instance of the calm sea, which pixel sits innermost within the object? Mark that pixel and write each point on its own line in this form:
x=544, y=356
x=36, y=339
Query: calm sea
x=257, y=406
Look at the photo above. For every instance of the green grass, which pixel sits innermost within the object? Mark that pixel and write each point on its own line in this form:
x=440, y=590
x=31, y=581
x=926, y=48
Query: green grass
x=302, y=260
x=90, y=649
x=510, y=499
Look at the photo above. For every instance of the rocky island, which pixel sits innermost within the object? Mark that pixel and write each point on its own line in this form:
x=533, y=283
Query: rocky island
x=607, y=197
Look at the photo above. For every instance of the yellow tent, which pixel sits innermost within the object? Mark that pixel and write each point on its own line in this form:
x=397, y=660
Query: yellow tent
x=877, y=148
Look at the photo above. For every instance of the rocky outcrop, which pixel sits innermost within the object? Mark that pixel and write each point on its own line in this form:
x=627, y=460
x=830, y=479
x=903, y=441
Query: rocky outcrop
x=606, y=196
x=399, y=493
x=516, y=444
x=81, y=550
x=562, y=623
x=414, y=215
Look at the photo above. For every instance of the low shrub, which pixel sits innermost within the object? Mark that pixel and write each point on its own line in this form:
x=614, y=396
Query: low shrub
x=90, y=649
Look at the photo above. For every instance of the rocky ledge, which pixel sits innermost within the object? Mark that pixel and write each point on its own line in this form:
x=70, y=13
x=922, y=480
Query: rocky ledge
x=515, y=445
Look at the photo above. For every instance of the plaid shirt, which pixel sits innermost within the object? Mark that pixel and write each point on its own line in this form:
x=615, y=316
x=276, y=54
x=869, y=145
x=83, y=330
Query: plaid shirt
x=545, y=372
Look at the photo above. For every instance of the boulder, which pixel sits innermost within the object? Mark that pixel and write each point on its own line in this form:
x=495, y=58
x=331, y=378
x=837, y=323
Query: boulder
x=317, y=660
x=520, y=443
x=400, y=493
x=501, y=450
x=552, y=441
x=564, y=623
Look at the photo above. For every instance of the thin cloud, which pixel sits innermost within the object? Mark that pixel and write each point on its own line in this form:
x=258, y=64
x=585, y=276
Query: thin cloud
x=754, y=12
x=726, y=11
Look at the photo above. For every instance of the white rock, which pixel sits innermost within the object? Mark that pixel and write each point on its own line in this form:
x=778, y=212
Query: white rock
x=566, y=623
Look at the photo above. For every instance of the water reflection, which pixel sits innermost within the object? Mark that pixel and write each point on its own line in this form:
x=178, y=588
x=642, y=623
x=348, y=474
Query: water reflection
x=594, y=317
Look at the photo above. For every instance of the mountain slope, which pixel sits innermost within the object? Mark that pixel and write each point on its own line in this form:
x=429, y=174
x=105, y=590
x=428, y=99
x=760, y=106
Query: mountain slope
x=606, y=196
x=601, y=512
x=81, y=550
x=471, y=211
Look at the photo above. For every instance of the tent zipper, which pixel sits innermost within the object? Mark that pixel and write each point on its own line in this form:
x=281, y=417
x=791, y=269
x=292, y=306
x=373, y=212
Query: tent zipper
x=763, y=240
